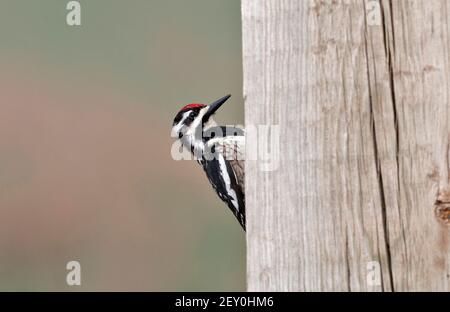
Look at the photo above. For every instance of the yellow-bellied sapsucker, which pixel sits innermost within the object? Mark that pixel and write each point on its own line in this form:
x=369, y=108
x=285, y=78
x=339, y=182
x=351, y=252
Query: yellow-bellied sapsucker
x=218, y=149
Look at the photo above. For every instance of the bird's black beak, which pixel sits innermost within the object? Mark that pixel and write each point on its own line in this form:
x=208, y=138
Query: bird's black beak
x=214, y=106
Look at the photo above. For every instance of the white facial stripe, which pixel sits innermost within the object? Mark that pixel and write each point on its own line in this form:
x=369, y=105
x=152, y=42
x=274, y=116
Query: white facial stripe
x=177, y=128
x=197, y=121
x=190, y=131
x=185, y=115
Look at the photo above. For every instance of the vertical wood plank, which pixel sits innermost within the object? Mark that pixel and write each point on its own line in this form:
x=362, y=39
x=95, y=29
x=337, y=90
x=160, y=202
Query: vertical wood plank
x=362, y=110
x=418, y=221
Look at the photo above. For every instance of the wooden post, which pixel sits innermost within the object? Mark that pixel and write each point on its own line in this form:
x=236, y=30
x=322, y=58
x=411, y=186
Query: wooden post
x=360, y=90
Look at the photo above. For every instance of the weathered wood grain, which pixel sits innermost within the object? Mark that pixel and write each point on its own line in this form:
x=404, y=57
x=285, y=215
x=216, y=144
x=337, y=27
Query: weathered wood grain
x=360, y=91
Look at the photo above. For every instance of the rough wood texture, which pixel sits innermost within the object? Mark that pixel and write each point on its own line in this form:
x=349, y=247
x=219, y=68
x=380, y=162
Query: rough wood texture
x=362, y=104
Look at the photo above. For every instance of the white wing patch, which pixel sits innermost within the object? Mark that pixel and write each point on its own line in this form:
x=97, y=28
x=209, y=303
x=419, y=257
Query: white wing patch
x=226, y=179
x=233, y=150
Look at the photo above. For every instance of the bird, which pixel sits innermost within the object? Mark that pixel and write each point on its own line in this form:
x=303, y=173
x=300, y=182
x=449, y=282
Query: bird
x=218, y=149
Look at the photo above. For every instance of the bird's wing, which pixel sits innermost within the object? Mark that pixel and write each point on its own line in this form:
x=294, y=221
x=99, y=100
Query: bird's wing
x=233, y=150
x=229, y=159
x=234, y=154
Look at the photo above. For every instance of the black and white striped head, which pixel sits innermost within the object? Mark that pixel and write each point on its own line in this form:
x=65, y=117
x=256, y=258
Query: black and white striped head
x=192, y=120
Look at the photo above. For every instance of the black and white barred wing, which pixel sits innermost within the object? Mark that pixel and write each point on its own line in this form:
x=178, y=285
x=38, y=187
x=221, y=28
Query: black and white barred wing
x=226, y=172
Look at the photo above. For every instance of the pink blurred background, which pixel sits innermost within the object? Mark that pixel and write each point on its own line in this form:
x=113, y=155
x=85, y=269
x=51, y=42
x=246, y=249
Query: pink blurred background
x=86, y=172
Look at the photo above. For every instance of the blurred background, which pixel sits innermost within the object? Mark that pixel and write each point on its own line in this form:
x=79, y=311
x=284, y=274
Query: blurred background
x=86, y=172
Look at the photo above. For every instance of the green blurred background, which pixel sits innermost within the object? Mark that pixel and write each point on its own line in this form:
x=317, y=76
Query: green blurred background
x=86, y=172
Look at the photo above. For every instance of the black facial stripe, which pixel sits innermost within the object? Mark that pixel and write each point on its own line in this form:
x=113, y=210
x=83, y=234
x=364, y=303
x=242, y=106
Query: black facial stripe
x=178, y=118
x=194, y=113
